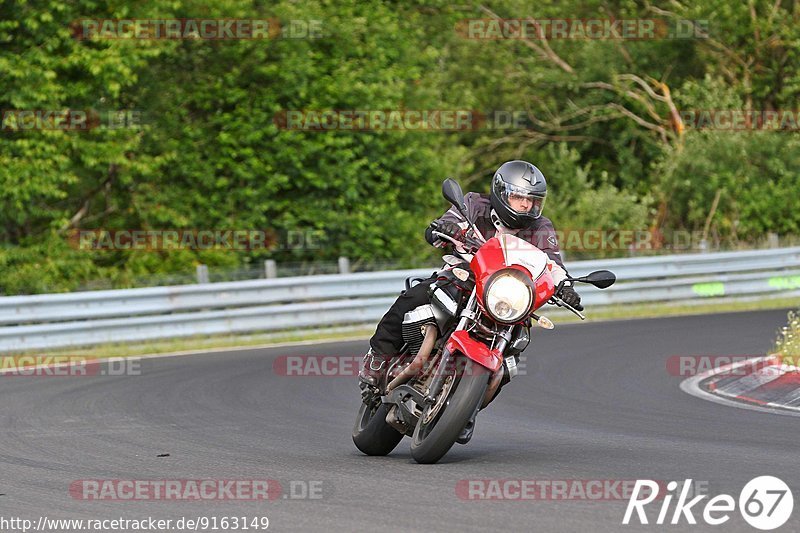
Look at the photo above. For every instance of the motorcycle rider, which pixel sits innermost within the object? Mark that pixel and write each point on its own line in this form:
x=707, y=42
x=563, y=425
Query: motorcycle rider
x=514, y=205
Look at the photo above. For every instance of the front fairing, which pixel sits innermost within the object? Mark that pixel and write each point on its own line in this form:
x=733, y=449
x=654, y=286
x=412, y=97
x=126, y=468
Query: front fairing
x=509, y=251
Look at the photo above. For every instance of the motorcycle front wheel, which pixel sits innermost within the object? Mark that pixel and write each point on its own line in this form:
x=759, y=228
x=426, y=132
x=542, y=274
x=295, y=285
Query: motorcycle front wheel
x=441, y=423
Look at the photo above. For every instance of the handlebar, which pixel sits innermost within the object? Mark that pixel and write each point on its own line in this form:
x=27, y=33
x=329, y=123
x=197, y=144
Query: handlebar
x=555, y=300
x=466, y=241
x=468, y=247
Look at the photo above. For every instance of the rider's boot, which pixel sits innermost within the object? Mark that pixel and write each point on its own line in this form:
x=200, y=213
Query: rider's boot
x=373, y=369
x=466, y=433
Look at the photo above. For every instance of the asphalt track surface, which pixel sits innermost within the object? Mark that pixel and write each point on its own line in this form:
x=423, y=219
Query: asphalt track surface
x=597, y=402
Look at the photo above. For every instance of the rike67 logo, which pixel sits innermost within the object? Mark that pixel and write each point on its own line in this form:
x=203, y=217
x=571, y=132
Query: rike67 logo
x=765, y=503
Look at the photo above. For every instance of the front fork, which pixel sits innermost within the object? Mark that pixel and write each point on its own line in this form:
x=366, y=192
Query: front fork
x=440, y=373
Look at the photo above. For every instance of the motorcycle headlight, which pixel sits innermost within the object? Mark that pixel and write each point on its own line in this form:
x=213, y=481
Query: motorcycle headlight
x=508, y=298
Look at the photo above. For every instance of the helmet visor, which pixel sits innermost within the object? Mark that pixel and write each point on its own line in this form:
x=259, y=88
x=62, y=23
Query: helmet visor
x=518, y=199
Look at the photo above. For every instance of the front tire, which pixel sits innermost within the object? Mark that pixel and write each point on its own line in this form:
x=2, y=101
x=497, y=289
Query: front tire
x=432, y=440
x=371, y=434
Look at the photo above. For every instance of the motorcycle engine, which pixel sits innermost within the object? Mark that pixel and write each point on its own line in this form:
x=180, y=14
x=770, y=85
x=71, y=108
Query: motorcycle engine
x=413, y=322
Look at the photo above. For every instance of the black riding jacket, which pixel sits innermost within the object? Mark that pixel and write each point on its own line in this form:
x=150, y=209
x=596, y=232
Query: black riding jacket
x=541, y=234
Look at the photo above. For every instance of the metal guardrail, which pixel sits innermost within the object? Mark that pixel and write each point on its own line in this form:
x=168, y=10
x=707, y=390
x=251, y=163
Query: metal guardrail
x=129, y=315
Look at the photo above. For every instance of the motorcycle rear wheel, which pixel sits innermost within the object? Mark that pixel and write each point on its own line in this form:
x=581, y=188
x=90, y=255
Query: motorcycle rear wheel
x=371, y=434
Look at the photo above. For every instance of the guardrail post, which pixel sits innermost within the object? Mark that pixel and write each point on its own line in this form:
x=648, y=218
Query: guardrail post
x=202, y=273
x=270, y=268
x=344, y=265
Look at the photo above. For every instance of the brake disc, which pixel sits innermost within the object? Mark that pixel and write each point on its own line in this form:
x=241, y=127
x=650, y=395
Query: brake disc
x=431, y=413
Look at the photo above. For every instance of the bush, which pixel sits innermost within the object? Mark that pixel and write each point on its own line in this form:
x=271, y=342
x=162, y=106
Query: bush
x=788, y=343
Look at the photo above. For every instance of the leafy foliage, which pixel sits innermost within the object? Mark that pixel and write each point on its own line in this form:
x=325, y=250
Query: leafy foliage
x=208, y=152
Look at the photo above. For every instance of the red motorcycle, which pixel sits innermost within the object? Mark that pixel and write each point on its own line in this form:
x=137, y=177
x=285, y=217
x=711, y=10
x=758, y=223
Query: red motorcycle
x=460, y=347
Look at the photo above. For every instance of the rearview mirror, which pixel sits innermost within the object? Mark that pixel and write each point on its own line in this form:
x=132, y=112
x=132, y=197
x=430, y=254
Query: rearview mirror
x=451, y=190
x=602, y=279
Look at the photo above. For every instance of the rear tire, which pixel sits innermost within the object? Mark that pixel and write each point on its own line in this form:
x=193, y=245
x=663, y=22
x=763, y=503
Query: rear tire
x=429, y=444
x=371, y=434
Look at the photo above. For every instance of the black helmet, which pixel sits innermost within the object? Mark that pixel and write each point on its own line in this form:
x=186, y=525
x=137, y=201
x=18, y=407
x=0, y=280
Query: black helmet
x=522, y=180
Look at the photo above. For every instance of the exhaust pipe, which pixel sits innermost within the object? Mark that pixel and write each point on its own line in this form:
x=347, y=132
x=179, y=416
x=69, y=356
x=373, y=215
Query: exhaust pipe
x=419, y=361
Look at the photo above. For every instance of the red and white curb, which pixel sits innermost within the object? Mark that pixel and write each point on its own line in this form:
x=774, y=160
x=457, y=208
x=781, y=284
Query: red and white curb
x=759, y=384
